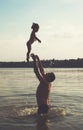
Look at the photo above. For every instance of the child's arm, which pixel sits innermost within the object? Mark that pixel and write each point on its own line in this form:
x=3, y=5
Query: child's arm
x=33, y=37
x=38, y=39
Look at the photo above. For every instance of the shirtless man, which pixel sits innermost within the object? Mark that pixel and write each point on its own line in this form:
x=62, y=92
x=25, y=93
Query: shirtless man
x=43, y=90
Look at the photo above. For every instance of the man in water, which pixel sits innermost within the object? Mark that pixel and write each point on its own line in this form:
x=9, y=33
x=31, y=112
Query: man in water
x=43, y=90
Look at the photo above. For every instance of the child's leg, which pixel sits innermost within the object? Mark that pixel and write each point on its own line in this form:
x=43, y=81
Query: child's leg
x=28, y=53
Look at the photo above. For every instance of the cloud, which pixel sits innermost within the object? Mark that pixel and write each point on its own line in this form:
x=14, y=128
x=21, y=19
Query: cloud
x=69, y=1
x=63, y=35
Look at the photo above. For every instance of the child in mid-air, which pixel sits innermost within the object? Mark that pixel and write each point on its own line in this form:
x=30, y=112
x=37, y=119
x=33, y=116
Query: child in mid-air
x=33, y=38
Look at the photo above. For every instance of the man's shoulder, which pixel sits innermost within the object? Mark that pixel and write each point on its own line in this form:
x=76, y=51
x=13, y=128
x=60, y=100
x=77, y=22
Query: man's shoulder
x=45, y=82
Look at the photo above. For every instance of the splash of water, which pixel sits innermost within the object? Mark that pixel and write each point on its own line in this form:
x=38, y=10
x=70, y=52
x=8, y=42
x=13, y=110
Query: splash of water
x=54, y=111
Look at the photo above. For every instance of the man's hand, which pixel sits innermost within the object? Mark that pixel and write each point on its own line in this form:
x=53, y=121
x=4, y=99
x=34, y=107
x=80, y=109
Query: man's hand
x=33, y=56
x=37, y=57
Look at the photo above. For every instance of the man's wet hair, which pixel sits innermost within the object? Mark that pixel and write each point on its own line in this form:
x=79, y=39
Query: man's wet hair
x=51, y=77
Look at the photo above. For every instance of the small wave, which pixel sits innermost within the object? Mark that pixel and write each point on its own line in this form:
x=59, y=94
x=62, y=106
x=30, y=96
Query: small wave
x=58, y=111
x=17, y=95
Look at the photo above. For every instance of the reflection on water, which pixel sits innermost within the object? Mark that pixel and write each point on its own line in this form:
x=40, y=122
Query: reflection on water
x=42, y=123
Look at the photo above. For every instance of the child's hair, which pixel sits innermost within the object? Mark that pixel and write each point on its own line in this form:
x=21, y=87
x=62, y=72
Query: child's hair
x=35, y=27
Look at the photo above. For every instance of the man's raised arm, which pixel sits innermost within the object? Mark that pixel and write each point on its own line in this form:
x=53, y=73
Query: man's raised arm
x=40, y=66
x=36, y=70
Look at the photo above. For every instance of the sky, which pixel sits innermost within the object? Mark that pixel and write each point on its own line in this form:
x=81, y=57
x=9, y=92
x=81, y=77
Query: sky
x=61, y=29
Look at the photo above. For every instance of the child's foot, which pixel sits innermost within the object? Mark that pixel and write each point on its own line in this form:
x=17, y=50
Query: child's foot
x=27, y=59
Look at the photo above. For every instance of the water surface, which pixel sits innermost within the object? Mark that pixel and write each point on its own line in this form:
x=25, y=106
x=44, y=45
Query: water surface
x=18, y=107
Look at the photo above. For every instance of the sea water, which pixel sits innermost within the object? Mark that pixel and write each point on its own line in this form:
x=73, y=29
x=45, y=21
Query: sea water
x=18, y=107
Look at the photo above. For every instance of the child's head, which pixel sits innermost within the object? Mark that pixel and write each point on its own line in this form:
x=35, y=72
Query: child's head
x=50, y=77
x=35, y=27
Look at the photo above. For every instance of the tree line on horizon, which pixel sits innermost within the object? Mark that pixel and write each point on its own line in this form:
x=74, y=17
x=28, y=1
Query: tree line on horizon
x=71, y=63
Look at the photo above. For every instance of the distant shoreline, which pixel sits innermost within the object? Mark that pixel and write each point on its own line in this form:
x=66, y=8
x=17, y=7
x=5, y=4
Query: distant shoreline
x=71, y=63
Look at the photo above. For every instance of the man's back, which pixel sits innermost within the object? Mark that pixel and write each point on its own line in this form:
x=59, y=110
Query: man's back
x=43, y=92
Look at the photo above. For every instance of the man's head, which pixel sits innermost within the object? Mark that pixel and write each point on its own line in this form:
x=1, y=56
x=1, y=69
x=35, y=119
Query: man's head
x=50, y=77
